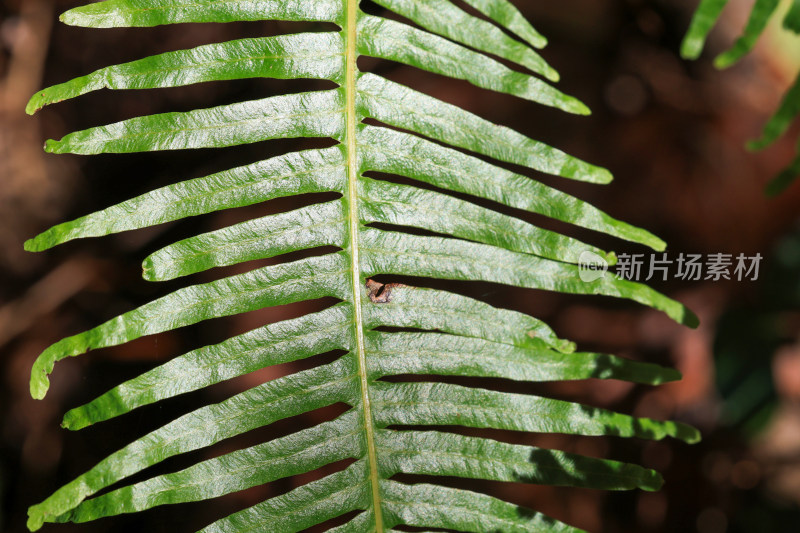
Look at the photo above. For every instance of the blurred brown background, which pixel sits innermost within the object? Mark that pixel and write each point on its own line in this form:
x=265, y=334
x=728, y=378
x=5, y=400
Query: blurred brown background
x=672, y=132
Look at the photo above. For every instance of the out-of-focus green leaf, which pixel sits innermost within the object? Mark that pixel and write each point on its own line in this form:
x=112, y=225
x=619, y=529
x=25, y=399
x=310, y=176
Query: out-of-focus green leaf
x=704, y=19
x=780, y=121
x=759, y=17
x=787, y=176
x=792, y=19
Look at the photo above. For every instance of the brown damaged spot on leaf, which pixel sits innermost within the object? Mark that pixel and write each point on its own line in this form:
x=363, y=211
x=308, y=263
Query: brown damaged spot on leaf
x=381, y=293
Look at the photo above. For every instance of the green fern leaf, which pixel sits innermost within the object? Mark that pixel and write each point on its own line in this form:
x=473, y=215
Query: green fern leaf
x=446, y=334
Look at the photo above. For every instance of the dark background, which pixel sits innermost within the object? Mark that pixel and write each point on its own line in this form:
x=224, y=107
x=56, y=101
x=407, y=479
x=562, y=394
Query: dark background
x=672, y=132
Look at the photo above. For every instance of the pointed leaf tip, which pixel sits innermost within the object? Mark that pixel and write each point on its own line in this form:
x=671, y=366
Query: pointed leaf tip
x=691, y=49
x=32, y=106
x=755, y=145
x=35, y=520
x=39, y=382
x=32, y=245
x=791, y=21
x=578, y=107
x=671, y=374
x=74, y=420
x=39, y=100
x=652, y=482
x=781, y=182
x=148, y=269
x=51, y=146
x=690, y=319
x=77, y=17
x=39, y=386
x=724, y=61
x=602, y=176
x=688, y=434
x=43, y=241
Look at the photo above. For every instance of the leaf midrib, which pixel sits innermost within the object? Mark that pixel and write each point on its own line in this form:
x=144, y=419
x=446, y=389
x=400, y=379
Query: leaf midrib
x=351, y=122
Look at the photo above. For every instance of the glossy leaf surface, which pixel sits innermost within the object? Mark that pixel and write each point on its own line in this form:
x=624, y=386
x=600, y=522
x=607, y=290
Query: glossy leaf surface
x=448, y=219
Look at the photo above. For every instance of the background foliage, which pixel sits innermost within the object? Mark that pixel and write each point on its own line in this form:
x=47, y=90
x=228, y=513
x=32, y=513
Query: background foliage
x=764, y=13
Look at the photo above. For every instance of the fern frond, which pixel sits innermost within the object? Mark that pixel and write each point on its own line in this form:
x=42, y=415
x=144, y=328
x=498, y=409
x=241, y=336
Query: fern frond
x=706, y=16
x=420, y=138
